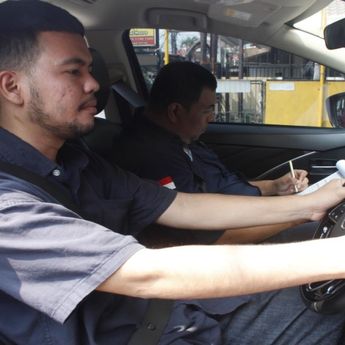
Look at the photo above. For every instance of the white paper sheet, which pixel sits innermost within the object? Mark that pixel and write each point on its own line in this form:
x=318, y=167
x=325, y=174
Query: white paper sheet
x=338, y=174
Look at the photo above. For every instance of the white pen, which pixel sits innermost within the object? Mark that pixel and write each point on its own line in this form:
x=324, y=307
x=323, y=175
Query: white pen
x=293, y=175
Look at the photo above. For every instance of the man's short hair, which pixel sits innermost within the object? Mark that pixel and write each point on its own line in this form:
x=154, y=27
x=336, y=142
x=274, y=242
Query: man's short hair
x=20, y=23
x=181, y=82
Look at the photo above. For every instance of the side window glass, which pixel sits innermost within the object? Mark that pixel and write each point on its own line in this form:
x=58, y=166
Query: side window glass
x=257, y=84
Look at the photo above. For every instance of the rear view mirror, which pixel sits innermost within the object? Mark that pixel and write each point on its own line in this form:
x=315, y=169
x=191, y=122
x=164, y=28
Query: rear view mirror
x=334, y=35
x=336, y=110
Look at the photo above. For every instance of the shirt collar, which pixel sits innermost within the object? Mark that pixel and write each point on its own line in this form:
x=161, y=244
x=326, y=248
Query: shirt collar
x=20, y=153
x=160, y=134
x=155, y=131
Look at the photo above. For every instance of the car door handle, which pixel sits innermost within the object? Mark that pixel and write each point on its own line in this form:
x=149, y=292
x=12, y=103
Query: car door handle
x=323, y=167
x=320, y=168
x=322, y=164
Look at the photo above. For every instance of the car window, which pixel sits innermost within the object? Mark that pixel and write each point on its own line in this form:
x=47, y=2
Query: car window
x=257, y=84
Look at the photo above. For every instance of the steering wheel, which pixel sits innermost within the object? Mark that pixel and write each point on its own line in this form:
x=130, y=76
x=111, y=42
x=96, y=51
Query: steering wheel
x=327, y=296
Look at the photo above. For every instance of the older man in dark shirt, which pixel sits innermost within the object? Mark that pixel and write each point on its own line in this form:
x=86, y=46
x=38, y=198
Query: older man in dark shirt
x=163, y=144
x=164, y=141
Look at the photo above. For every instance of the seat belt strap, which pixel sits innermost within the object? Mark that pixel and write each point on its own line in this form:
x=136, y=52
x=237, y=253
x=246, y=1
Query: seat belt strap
x=135, y=100
x=155, y=320
x=54, y=190
x=4, y=341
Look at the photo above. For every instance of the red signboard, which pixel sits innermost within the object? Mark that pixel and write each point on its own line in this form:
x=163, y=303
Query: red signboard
x=143, y=37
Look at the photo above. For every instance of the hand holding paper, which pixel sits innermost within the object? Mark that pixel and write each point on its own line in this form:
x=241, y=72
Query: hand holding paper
x=338, y=174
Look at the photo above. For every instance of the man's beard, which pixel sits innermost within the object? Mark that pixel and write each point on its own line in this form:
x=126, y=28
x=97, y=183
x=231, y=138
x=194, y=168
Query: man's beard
x=68, y=130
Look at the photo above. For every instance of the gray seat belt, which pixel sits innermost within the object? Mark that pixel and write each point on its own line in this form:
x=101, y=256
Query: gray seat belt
x=135, y=100
x=4, y=341
x=54, y=190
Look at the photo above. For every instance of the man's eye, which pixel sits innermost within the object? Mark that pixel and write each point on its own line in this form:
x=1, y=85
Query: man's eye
x=74, y=72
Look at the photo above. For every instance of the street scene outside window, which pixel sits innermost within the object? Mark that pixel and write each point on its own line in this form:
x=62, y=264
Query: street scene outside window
x=256, y=83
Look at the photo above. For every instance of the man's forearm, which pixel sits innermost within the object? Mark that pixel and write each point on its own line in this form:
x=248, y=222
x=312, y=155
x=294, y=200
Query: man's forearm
x=219, y=212
x=253, y=234
x=215, y=211
x=219, y=271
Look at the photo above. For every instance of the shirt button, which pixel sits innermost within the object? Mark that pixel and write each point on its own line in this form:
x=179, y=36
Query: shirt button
x=56, y=172
x=151, y=327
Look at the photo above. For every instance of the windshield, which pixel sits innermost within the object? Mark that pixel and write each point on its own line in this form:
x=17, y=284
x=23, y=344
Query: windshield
x=316, y=23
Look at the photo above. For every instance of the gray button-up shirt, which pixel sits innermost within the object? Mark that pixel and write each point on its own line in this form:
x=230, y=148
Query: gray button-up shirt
x=51, y=260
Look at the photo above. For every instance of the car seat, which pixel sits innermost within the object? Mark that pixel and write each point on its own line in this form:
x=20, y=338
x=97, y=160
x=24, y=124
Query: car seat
x=100, y=139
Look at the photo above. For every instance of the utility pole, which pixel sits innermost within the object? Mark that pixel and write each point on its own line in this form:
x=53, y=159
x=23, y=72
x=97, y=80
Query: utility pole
x=173, y=35
x=166, y=48
x=240, y=76
x=214, y=49
x=322, y=78
x=203, y=48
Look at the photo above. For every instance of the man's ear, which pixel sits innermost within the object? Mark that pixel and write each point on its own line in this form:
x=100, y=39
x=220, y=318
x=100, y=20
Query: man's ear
x=10, y=87
x=174, y=110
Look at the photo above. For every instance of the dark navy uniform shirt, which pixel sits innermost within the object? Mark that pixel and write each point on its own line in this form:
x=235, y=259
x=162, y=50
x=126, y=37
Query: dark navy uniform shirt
x=152, y=152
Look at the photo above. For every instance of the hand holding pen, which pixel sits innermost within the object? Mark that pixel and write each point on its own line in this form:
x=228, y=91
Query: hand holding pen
x=294, y=181
x=299, y=178
x=292, y=171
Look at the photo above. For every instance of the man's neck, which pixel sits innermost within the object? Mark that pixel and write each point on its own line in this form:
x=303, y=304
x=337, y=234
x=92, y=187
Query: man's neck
x=161, y=121
x=44, y=143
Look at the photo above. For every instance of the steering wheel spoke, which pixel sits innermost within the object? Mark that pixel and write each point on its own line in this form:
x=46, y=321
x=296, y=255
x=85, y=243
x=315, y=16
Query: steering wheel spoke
x=327, y=296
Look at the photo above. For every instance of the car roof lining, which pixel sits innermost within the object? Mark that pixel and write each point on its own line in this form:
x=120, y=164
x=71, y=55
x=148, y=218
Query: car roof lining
x=193, y=15
x=256, y=14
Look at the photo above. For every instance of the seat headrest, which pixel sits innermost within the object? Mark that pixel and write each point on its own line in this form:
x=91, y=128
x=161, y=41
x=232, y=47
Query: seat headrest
x=100, y=73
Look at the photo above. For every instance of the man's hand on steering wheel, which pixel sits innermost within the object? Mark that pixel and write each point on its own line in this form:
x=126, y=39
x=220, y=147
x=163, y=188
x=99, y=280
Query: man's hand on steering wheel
x=326, y=197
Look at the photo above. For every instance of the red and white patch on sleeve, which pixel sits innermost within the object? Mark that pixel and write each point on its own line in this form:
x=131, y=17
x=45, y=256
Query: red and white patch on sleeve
x=167, y=182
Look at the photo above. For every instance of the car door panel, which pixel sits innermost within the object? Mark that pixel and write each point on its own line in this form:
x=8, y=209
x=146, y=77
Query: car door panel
x=264, y=151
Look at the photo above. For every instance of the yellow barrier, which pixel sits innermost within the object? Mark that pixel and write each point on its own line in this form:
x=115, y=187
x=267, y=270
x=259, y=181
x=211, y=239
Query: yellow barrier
x=297, y=103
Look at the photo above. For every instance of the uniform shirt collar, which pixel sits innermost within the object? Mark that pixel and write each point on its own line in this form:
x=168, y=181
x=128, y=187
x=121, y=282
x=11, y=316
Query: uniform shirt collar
x=156, y=131
x=162, y=135
x=18, y=152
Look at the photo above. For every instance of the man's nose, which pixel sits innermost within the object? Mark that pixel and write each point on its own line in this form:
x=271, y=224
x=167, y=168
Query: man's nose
x=91, y=84
x=211, y=117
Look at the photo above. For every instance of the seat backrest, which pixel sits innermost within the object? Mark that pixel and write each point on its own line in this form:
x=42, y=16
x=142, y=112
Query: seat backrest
x=100, y=73
x=101, y=138
x=130, y=102
x=118, y=87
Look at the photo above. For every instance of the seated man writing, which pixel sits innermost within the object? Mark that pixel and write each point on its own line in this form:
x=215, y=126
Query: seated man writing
x=163, y=145
x=67, y=279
